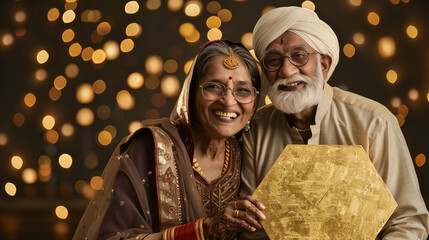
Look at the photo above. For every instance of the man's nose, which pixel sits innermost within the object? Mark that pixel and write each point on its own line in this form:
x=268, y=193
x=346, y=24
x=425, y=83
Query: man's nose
x=287, y=69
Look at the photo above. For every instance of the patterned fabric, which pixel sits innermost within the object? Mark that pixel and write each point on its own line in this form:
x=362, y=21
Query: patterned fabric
x=218, y=193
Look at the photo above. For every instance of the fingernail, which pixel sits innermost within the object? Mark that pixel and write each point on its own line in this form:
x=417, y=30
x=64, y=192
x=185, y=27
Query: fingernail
x=262, y=206
x=252, y=229
x=263, y=216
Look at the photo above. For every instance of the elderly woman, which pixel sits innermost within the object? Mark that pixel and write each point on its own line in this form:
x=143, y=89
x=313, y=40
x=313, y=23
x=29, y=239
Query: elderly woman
x=178, y=177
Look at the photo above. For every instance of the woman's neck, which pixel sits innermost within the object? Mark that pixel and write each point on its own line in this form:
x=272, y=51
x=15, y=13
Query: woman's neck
x=208, y=148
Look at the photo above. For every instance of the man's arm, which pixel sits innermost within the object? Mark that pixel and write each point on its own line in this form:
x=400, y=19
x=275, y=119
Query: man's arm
x=390, y=155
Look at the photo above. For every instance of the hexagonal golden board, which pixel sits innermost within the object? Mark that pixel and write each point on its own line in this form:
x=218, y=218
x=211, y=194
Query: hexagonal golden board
x=324, y=192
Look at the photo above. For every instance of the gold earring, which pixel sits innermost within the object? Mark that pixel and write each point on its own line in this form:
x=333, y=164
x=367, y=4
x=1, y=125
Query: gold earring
x=247, y=127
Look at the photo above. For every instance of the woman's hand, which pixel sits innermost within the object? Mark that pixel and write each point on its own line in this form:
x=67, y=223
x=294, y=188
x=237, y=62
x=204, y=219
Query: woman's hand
x=245, y=213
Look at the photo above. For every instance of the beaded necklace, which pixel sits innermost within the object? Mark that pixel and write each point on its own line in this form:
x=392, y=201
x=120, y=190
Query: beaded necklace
x=198, y=169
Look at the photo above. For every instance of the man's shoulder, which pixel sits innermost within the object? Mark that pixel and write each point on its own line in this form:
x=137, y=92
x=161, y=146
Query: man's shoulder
x=360, y=103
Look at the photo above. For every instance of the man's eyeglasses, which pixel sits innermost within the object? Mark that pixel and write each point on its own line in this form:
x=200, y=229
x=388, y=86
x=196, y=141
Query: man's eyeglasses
x=297, y=57
x=243, y=93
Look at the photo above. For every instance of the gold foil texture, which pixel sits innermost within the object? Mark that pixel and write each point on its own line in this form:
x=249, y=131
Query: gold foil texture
x=324, y=192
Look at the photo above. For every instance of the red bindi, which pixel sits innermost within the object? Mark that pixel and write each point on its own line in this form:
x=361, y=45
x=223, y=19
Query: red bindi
x=229, y=77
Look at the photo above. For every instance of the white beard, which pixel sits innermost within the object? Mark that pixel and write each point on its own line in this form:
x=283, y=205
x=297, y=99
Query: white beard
x=292, y=102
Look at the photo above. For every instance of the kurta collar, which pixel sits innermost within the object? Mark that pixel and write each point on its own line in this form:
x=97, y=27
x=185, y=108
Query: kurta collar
x=321, y=111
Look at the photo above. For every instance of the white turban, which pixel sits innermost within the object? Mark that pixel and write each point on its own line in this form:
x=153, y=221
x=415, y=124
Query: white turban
x=301, y=21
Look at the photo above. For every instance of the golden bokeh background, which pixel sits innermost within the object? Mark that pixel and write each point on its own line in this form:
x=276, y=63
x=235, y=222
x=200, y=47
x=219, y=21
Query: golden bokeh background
x=76, y=76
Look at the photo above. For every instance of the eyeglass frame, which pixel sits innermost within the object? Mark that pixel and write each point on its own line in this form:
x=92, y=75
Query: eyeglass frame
x=225, y=88
x=289, y=59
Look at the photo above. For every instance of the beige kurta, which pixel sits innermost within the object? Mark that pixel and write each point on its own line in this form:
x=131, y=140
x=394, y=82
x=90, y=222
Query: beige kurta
x=343, y=118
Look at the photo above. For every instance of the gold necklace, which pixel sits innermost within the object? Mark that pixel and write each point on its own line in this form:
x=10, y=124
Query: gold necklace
x=197, y=166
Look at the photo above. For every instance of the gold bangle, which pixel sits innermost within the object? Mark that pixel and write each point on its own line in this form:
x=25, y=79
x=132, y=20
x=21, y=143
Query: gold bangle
x=201, y=228
x=164, y=235
x=235, y=204
x=236, y=213
x=172, y=233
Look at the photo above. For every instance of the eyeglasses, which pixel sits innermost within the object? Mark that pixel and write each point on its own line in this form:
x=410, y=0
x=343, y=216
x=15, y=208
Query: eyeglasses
x=243, y=93
x=297, y=57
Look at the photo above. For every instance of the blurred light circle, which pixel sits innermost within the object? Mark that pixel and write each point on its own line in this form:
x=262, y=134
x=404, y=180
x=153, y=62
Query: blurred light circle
x=111, y=48
x=247, y=40
x=403, y=110
x=135, y=80
x=10, y=189
x=214, y=34
x=3, y=139
x=20, y=16
x=48, y=122
x=99, y=56
x=87, y=54
x=41, y=74
x=69, y=16
x=61, y=212
x=213, y=7
x=65, y=161
x=68, y=35
x=72, y=70
x=85, y=93
x=413, y=94
x=91, y=160
x=54, y=94
x=420, y=160
x=42, y=56
x=7, y=39
x=358, y=38
x=170, y=86
x=396, y=102
x=194, y=37
x=132, y=7
x=174, y=5
x=153, y=4
x=52, y=136
x=103, y=28
x=186, y=29
x=112, y=130
x=53, y=14
x=99, y=86
x=158, y=100
x=225, y=15
x=18, y=119
x=134, y=126
x=213, y=22
x=17, y=162
x=127, y=45
x=60, y=82
x=67, y=129
x=104, y=138
x=154, y=64
x=170, y=66
x=29, y=176
x=75, y=49
x=355, y=2
x=386, y=47
x=349, y=50
x=103, y=112
x=391, y=76
x=193, y=8
x=187, y=66
x=412, y=31
x=133, y=30
x=30, y=99
x=152, y=82
x=85, y=117
x=401, y=119
x=309, y=5
x=96, y=183
x=373, y=18
x=152, y=114
x=125, y=100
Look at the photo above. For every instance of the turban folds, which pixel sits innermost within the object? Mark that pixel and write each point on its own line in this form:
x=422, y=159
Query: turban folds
x=303, y=22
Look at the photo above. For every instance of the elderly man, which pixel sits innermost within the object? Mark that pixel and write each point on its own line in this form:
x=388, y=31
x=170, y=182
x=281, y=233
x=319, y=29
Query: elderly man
x=299, y=53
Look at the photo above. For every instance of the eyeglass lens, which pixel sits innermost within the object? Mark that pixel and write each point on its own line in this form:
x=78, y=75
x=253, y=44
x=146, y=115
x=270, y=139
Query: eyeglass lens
x=297, y=57
x=243, y=93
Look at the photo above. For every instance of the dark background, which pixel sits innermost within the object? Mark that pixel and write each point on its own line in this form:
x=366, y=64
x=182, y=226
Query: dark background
x=30, y=214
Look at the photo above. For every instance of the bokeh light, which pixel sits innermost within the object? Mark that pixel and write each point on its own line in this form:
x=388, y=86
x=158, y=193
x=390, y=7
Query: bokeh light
x=69, y=16
x=193, y=8
x=10, y=189
x=154, y=64
x=40, y=74
x=68, y=35
x=133, y=30
x=127, y=45
x=54, y=94
x=386, y=47
x=16, y=162
x=67, y=129
x=87, y=54
x=153, y=4
x=99, y=86
x=111, y=48
x=96, y=183
x=48, y=122
x=65, y=161
x=396, y=102
x=349, y=50
x=91, y=160
x=170, y=66
x=391, y=76
x=71, y=70
x=225, y=15
x=373, y=18
x=213, y=22
x=413, y=94
x=175, y=5
x=103, y=28
x=99, y=56
x=61, y=212
x=30, y=99
x=170, y=86
x=132, y=7
x=29, y=176
x=104, y=138
x=135, y=80
x=152, y=82
x=247, y=40
x=18, y=119
x=358, y=38
x=52, y=136
x=42, y=56
x=134, y=126
x=412, y=31
x=403, y=110
x=309, y=5
x=60, y=82
x=420, y=160
x=85, y=93
x=355, y=3
x=85, y=117
x=214, y=34
x=125, y=100
x=213, y=7
x=53, y=14
x=3, y=139
x=75, y=49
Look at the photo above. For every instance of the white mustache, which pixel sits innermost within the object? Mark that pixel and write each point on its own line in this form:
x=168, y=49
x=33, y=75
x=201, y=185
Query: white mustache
x=294, y=78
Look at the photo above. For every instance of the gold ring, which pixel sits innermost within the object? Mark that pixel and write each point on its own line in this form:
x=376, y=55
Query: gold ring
x=236, y=213
x=235, y=204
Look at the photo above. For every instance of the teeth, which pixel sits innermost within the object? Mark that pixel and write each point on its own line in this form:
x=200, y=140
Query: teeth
x=292, y=84
x=227, y=115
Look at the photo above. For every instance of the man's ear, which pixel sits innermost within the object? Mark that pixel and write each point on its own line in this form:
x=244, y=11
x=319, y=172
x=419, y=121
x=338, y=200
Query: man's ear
x=326, y=62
